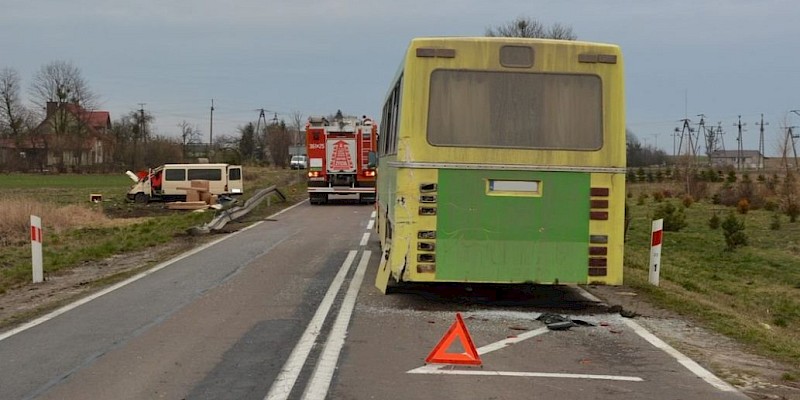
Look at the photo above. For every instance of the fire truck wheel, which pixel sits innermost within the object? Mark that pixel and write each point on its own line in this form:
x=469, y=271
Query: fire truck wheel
x=141, y=198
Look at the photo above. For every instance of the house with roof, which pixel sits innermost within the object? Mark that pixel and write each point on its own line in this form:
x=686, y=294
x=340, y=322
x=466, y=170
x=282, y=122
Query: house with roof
x=69, y=138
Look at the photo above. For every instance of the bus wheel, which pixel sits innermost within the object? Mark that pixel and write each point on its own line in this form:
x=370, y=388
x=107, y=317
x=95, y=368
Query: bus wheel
x=141, y=198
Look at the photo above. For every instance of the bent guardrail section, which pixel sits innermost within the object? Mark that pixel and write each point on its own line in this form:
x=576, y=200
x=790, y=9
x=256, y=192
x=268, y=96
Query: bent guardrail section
x=233, y=213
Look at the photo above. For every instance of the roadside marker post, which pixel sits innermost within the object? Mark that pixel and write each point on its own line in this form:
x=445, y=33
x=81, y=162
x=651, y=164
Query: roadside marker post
x=36, y=249
x=656, y=237
x=440, y=355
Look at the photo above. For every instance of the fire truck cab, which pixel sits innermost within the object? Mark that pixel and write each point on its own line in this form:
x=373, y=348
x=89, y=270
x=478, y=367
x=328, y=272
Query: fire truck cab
x=341, y=158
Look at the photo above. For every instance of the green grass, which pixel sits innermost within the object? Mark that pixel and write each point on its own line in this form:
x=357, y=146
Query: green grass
x=751, y=294
x=72, y=247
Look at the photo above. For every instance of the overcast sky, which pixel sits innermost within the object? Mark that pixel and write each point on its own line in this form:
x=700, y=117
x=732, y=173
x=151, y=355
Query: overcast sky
x=722, y=58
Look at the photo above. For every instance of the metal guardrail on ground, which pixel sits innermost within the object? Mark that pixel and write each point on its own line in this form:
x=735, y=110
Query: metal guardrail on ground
x=233, y=213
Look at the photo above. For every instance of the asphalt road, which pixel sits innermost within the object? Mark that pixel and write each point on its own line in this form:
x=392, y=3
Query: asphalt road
x=287, y=309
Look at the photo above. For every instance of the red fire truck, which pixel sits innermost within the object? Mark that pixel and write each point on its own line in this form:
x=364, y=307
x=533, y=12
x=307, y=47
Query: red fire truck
x=341, y=158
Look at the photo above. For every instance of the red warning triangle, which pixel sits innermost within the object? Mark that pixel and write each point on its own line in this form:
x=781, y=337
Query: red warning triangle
x=470, y=356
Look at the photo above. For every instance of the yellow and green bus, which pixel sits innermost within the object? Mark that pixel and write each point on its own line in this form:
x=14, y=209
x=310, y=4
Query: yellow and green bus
x=502, y=160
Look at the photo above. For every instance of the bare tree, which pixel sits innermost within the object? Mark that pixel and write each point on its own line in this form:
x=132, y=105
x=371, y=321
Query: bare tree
x=60, y=92
x=61, y=81
x=12, y=112
x=190, y=134
x=562, y=32
x=526, y=27
x=297, y=127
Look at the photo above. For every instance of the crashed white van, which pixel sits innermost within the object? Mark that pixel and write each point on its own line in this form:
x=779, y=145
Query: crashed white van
x=165, y=183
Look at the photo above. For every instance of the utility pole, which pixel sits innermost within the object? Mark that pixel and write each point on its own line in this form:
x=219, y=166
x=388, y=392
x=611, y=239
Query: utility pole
x=740, y=149
x=142, y=125
x=142, y=133
x=262, y=116
x=687, y=130
x=675, y=134
x=211, y=126
x=703, y=132
x=761, y=142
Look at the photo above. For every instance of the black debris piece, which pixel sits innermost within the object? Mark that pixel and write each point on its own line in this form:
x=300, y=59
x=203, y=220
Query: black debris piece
x=557, y=322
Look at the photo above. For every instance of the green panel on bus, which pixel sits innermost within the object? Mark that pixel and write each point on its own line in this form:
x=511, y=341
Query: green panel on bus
x=512, y=226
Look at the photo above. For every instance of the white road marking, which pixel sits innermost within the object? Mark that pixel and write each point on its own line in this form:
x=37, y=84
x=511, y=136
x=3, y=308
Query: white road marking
x=370, y=224
x=438, y=371
x=283, y=384
x=583, y=292
x=374, y=213
x=71, y=306
x=692, y=366
x=326, y=365
x=507, y=342
x=364, y=239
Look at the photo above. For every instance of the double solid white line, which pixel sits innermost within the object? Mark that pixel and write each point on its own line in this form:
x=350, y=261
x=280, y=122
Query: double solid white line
x=320, y=381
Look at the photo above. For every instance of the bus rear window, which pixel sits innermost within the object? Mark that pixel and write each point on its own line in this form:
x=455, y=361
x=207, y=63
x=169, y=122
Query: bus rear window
x=515, y=110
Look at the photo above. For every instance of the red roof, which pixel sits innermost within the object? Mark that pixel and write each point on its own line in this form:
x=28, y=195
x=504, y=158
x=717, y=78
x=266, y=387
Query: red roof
x=95, y=119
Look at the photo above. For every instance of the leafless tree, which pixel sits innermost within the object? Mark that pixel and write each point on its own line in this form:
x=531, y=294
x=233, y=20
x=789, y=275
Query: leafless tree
x=62, y=82
x=12, y=112
x=560, y=31
x=190, y=134
x=297, y=127
x=526, y=27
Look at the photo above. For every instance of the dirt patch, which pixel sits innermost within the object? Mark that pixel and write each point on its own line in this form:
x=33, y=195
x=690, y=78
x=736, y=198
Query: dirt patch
x=757, y=377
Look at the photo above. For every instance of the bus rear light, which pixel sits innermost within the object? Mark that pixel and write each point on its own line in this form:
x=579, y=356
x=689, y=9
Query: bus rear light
x=598, y=238
x=426, y=246
x=428, y=187
x=598, y=271
x=426, y=235
x=427, y=211
x=313, y=174
x=427, y=199
x=426, y=257
x=598, y=262
x=598, y=251
x=369, y=172
x=426, y=268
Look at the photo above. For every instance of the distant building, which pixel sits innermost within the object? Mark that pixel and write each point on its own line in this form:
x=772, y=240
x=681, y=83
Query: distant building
x=69, y=137
x=748, y=159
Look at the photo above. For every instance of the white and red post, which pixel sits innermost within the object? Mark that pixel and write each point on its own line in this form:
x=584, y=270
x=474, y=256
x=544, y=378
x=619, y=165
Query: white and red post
x=656, y=237
x=36, y=249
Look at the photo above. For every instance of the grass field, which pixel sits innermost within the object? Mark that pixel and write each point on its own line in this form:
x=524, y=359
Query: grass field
x=751, y=293
x=77, y=230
